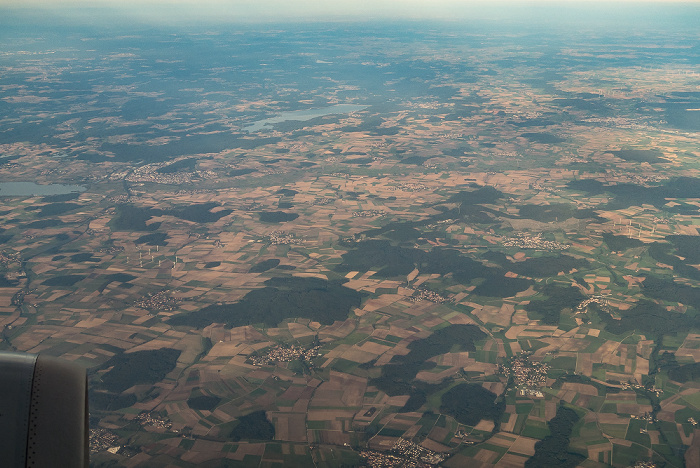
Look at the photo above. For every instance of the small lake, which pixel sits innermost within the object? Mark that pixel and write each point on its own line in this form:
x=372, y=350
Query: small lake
x=27, y=189
x=302, y=115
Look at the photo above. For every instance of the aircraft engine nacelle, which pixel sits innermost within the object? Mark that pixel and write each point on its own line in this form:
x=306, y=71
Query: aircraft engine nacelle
x=43, y=412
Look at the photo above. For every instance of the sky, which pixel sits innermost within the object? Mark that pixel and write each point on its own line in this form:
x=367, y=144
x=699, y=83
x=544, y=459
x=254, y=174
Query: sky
x=313, y=10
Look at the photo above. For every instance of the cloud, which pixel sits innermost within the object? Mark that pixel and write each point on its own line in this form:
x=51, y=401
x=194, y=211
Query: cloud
x=312, y=10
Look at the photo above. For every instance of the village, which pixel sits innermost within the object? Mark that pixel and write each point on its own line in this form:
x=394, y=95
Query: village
x=282, y=353
x=537, y=242
x=404, y=454
x=529, y=376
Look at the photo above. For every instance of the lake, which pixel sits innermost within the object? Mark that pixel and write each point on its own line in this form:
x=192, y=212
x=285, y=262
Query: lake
x=303, y=115
x=27, y=189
